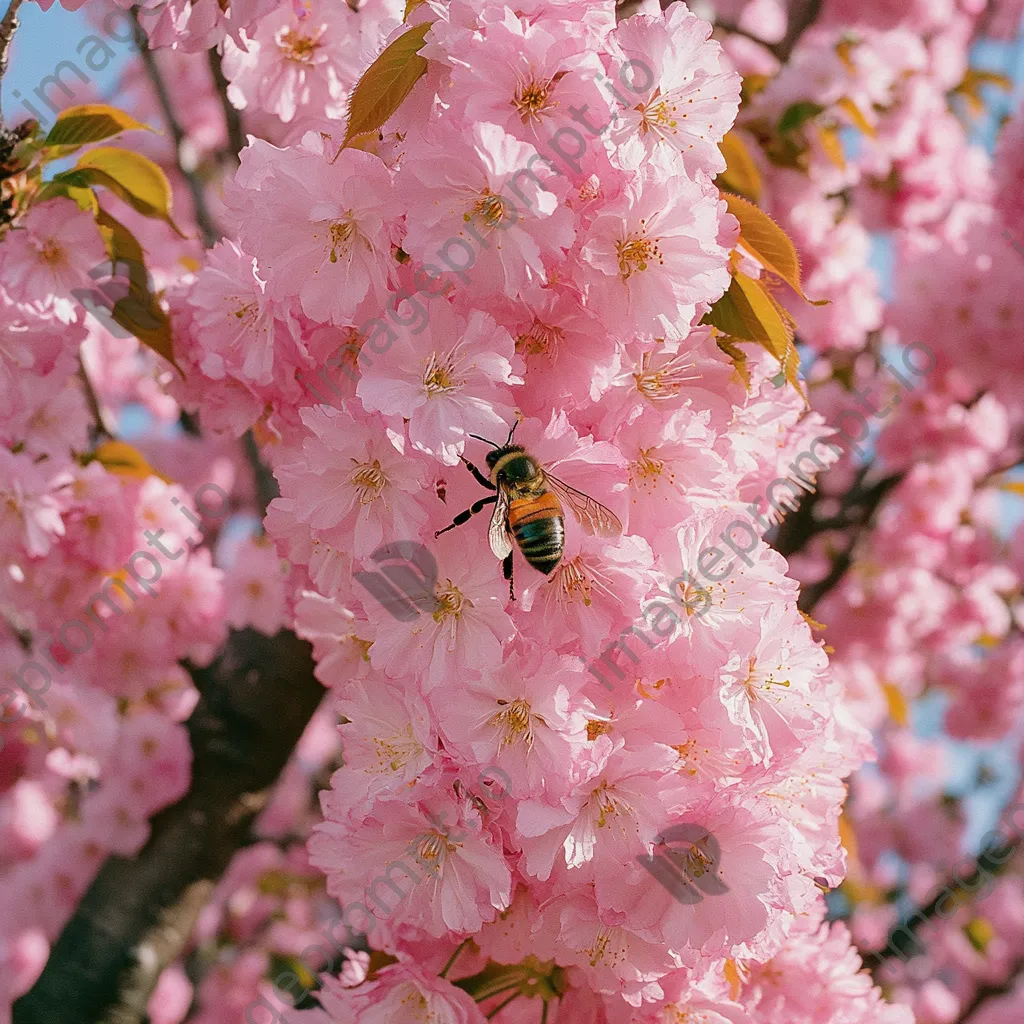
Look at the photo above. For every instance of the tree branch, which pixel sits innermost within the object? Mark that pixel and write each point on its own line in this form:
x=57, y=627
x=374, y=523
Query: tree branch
x=7, y=29
x=990, y=862
x=256, y=699
x=985, y=992
x=232, y=115
x=801, y=15
x=211, y=233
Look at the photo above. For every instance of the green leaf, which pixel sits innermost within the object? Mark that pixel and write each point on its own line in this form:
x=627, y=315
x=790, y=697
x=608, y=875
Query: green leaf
x=797, y=114
x=92, y=122
x=129, y=175
x=386, y=83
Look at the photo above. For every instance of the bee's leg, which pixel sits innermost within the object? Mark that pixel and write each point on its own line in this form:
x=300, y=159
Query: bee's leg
x=506, y=568
x=480, y=478
x=464, y=517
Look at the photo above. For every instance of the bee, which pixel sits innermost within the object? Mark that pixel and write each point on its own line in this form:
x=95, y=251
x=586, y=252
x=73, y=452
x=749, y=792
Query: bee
x=529, y=504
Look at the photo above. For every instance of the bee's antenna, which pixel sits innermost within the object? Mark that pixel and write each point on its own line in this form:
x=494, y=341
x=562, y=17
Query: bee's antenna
x=511, y=432
x=485, y=441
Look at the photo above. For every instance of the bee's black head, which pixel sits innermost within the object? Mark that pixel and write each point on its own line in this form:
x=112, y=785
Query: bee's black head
x=497, y=453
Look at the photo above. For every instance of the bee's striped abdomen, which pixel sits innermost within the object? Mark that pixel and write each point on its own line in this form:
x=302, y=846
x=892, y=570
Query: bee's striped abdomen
x=538, y=529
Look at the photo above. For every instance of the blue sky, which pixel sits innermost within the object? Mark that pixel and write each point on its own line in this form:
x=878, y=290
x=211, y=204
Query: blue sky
x=44, y=39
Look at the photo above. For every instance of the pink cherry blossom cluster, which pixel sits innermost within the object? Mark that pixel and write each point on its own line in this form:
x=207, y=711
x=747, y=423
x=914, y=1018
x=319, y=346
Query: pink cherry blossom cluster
x=571, y=308
x=619, y=795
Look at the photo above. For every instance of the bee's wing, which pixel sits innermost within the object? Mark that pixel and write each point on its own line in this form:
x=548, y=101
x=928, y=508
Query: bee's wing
x=497, y=532
x=593, y=516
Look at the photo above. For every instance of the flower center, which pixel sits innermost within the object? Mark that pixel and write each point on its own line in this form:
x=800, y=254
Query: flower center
x=449, y=602
x=758, y=680
x=514, y=718
x=440, y=377
x=395, y=753
x=608, y=805
x=342, y=232
x=531, y=99
x=658, y=385
x=369, y=480
x=573, y=582
x=489, y=208
x=636, y=253
x=52, y=252
x=645, y=471
x=298, y=47
x=539, y=340
x=657, y=115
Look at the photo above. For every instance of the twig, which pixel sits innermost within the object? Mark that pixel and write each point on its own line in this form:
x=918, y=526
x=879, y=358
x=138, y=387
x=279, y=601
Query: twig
x=209, y=230
x=266, y=483
x=7, y=30
x=989, y=862
x=95, y=409
x=801, y=15
x=232, y=115
x=985, y=992
x=735, y=30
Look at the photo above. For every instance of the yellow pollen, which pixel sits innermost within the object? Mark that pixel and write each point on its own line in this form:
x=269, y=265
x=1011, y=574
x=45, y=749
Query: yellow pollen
x=449, y=602
x=515, y=719
x=539, y=340
x=489, y=207
x=664, y=382
x=341, y=232
x=635, y=254
x=439, y=377
x=52, y=253
x=657, y=115
x=255, y=588
x=369, y=480
x=573, y=581
x=757, y=680
x=531, y=99
x=298, y=47
x=596, y=728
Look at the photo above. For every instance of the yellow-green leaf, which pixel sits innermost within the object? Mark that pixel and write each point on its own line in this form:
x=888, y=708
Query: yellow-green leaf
x=91, y=122
x=129, y=175
x=828, y=136
x=899, y=709
x=85, y=198
x=768, y=244
x=386, y=82
x=973, y=80
x=737, y=357
x=748, y=312
x=741, y=174
x=139, y=311
x=856, y=115
x=410, y=6
x=124, y=460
